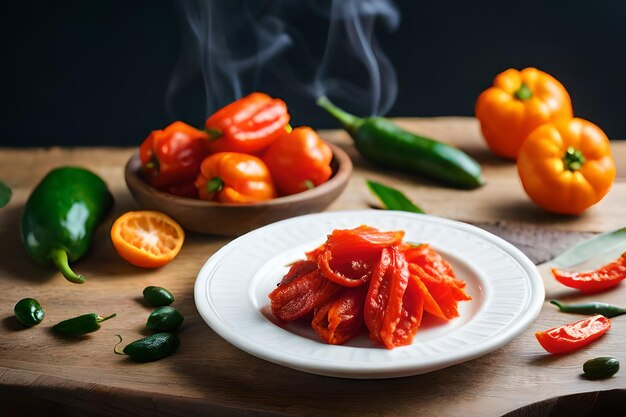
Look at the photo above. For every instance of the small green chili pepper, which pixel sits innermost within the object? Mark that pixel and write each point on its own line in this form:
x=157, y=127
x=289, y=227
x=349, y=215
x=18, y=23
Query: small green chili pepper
x=151, y=348
x=28, y=311
x=607, y=310
x=80, y=325
x=384, y=143
x=165, y=319
x=602, y=367
x=157, y=296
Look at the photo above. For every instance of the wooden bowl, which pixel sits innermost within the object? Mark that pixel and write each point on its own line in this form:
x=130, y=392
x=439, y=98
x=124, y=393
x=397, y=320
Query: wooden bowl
x=236, y=219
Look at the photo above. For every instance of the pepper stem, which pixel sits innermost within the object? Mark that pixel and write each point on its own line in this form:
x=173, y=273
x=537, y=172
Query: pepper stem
x=523, y=93
x=214, y=185
x=59, y=258
x=213, y=133
x=153, y=166
x=556, y=303
x=101, y=319
x=117, y=352
x=349, y=121
x=573, y=159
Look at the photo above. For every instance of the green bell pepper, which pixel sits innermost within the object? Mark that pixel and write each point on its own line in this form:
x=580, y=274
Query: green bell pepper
x=61, y=216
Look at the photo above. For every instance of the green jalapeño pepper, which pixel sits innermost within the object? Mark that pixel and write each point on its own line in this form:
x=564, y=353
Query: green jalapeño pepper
x=595, y=307
x=61, y=216
x=157, y=296
x=151, y=348
x=382, y=142
x=28, y=311
x=80, y=325
x=165, y=319
x=600, y=368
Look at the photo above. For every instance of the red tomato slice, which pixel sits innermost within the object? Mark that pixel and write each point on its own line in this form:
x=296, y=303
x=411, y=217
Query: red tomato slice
x=573, y=336
x=341, y=318
x=297, y=298
x=600, y=279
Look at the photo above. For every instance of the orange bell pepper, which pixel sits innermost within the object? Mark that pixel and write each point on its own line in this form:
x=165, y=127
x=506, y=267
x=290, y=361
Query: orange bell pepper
x=247, y=125
x=230, y=177
x=566, y=167
x=518, y=103
x=298, y=160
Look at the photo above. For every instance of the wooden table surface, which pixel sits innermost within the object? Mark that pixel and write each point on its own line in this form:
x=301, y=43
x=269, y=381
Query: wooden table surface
x=51, y=376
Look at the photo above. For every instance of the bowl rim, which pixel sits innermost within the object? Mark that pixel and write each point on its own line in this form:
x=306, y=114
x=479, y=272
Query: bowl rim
x=341, y=176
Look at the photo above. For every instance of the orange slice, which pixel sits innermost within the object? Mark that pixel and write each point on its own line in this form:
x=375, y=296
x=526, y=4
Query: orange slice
x=147, y=239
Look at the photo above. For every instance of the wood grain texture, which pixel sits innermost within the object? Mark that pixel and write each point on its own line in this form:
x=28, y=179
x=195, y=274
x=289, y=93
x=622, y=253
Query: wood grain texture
x=42, y=373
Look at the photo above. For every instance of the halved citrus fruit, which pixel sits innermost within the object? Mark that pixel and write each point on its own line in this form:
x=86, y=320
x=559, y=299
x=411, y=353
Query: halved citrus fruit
x=148, y=239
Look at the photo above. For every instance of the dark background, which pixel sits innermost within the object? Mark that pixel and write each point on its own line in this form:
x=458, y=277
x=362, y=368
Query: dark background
x=96, y=72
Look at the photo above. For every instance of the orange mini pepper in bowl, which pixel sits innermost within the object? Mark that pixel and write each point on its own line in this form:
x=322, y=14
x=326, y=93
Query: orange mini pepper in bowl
x=231, y=177
x=566, y=167
x=299, y=160
x=247, y=125
x=518, y=103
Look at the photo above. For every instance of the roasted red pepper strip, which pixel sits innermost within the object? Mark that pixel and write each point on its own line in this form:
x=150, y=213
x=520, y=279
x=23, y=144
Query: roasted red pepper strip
x=600, y=279
x=298, y=269
x=247, y=125
x=573, y=336
x=172, y=156
x=410, y=317
x=398, y=275
x=430, y=304
x=348, y=256
x=442, y=288
x=299, y=297
x=378, y=295
x=341, y=318
x=393, y=305
x=438, y=277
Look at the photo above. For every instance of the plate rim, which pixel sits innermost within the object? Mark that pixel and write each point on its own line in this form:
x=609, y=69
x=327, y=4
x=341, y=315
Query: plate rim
x=376, y=370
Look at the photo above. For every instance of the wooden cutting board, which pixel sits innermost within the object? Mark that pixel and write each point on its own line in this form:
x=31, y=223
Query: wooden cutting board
x=42, y=373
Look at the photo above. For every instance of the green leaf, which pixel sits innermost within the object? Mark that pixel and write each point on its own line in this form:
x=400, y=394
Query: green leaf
x=5, y=194
x=391, y=198
x=610, y=244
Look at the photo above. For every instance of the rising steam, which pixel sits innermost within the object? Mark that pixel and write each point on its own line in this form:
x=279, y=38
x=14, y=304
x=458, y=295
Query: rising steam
x=232, y=48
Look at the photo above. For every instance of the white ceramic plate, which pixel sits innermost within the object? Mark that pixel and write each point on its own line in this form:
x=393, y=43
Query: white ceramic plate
x=506, y=289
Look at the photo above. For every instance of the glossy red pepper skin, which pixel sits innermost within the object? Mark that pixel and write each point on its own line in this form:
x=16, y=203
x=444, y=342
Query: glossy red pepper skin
x=298, y=160
x=341, y=318
x=247, y=125
x=365, y=277
x=573, y=336
x=393, y=305
x=601, y=279
x=348, y=256
x=438, y=277
x=172, y=156
x=300, y=296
